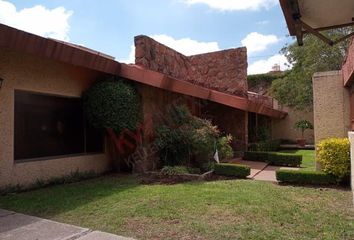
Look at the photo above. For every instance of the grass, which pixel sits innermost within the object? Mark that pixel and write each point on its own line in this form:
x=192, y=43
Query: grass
x=234, y=209
x=308, y=158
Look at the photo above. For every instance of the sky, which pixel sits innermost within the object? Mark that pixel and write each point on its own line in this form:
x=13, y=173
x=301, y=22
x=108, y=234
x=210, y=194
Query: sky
x=188, y=26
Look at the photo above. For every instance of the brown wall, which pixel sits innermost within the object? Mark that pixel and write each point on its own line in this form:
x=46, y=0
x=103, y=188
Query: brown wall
x=331, y=106
x=26, y=72
x=225, y=71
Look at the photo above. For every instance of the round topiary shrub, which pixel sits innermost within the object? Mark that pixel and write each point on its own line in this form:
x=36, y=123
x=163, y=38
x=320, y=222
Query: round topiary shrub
x=334, y=156
x=113, y=104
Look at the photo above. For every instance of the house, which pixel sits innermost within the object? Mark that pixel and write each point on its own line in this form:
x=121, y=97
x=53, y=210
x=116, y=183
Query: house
x=43, y=131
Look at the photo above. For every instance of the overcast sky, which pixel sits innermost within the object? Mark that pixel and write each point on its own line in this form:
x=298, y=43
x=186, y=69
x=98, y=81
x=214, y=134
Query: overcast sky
x=189, y=26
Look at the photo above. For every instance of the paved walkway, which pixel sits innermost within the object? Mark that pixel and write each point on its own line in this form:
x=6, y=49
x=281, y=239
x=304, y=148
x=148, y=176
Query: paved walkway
x=15, y=226
x=261, y=170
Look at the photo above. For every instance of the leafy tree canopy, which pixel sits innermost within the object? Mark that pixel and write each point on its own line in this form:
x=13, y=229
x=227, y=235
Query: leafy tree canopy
x=295, y=88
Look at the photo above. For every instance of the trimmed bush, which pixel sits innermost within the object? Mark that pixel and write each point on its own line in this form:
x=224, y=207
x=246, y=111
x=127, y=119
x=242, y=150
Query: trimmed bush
x=235, y=170
x=113, y=104
x=277, y=159
x=174, y=170
x=305, y=177
x=334, y=156
x=256, y=156
x=265, y=146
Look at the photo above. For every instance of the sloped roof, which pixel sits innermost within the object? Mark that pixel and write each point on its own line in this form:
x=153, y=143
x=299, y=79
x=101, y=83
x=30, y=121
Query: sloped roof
x=25, y=42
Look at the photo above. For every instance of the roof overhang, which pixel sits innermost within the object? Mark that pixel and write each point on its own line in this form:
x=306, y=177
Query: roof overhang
x=159, y=80
x=314, y=16
x=28, y=43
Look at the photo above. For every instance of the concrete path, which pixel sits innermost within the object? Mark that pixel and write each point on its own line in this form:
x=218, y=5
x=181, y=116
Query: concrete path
x=261, y=170
x=16, y=226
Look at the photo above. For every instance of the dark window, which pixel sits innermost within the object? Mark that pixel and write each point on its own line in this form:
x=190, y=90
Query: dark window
x=48, y=126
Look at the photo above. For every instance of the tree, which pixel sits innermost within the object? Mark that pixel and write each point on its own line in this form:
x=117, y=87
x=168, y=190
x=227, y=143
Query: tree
x=295, y=88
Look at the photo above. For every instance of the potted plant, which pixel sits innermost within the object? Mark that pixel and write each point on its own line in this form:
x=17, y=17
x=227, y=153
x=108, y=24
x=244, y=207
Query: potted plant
x=302, y=125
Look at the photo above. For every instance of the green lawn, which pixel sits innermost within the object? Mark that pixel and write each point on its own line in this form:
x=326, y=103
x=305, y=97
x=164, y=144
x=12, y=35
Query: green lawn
x=308, y=158
x=234, y=209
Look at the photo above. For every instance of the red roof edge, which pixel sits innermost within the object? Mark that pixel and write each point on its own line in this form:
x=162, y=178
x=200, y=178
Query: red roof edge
x=57, y=50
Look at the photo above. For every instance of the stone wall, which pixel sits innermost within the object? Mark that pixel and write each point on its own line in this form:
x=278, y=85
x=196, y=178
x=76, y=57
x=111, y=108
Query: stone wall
x=225, y=71
x=29, y=73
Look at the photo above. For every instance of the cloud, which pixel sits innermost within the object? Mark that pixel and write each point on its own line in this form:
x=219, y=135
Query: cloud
x=235, y=5
x=256, y=42
x=39, y=20
x=185, y=46
x=265, y=65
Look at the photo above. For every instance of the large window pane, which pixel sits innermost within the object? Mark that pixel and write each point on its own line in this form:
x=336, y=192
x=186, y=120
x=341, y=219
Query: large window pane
x=48, y=126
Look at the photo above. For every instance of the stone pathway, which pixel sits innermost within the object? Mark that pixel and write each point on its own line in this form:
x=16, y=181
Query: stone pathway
x=261, y=170
x=16, y=226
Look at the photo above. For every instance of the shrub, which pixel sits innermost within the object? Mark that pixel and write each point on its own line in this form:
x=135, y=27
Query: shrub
x=188, y=140
x=256, y=156
x=277, y=159
x=236, y=170
x=224, y=148
x=334, y=156
x=265, y=146
x=174, y=170
x=112, y=104
x=280, y=159
x=305, y=177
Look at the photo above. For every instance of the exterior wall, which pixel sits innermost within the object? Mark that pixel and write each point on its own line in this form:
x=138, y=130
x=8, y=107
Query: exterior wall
x=230, y=121
x=331, y=106
x=225, y=71
x=26, y=72
x=284, y=128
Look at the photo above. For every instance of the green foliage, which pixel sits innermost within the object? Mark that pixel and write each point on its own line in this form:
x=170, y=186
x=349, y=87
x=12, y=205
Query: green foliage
x=277, y=159
x=174, y=170
x=235, y=170
x=305, y=177
x=264, y=80
x=334, y=156
x=303, y=125
x=224, y=148
x=295, y=89
x=70, y=178
x=265, y=146
x=185, y=139
x=113, y=104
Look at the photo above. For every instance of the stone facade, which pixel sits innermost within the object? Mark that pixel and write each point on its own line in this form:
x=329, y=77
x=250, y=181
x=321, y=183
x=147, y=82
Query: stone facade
x=331, y=106
x=29, y=73
x=225, y=71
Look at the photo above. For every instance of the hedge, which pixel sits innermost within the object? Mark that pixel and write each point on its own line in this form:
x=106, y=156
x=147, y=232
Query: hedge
x=305, y=177
x=277, y=159
x=265, y=146
x=236, y=170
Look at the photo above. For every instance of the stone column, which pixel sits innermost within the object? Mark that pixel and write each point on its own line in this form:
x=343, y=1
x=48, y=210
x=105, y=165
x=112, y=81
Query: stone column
x=351, y=139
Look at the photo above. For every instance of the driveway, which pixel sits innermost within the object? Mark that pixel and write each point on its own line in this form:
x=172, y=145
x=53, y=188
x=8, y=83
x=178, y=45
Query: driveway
x=16, y=226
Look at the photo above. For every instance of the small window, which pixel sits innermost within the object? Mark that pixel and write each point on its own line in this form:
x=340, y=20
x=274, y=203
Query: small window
x=48, y=126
